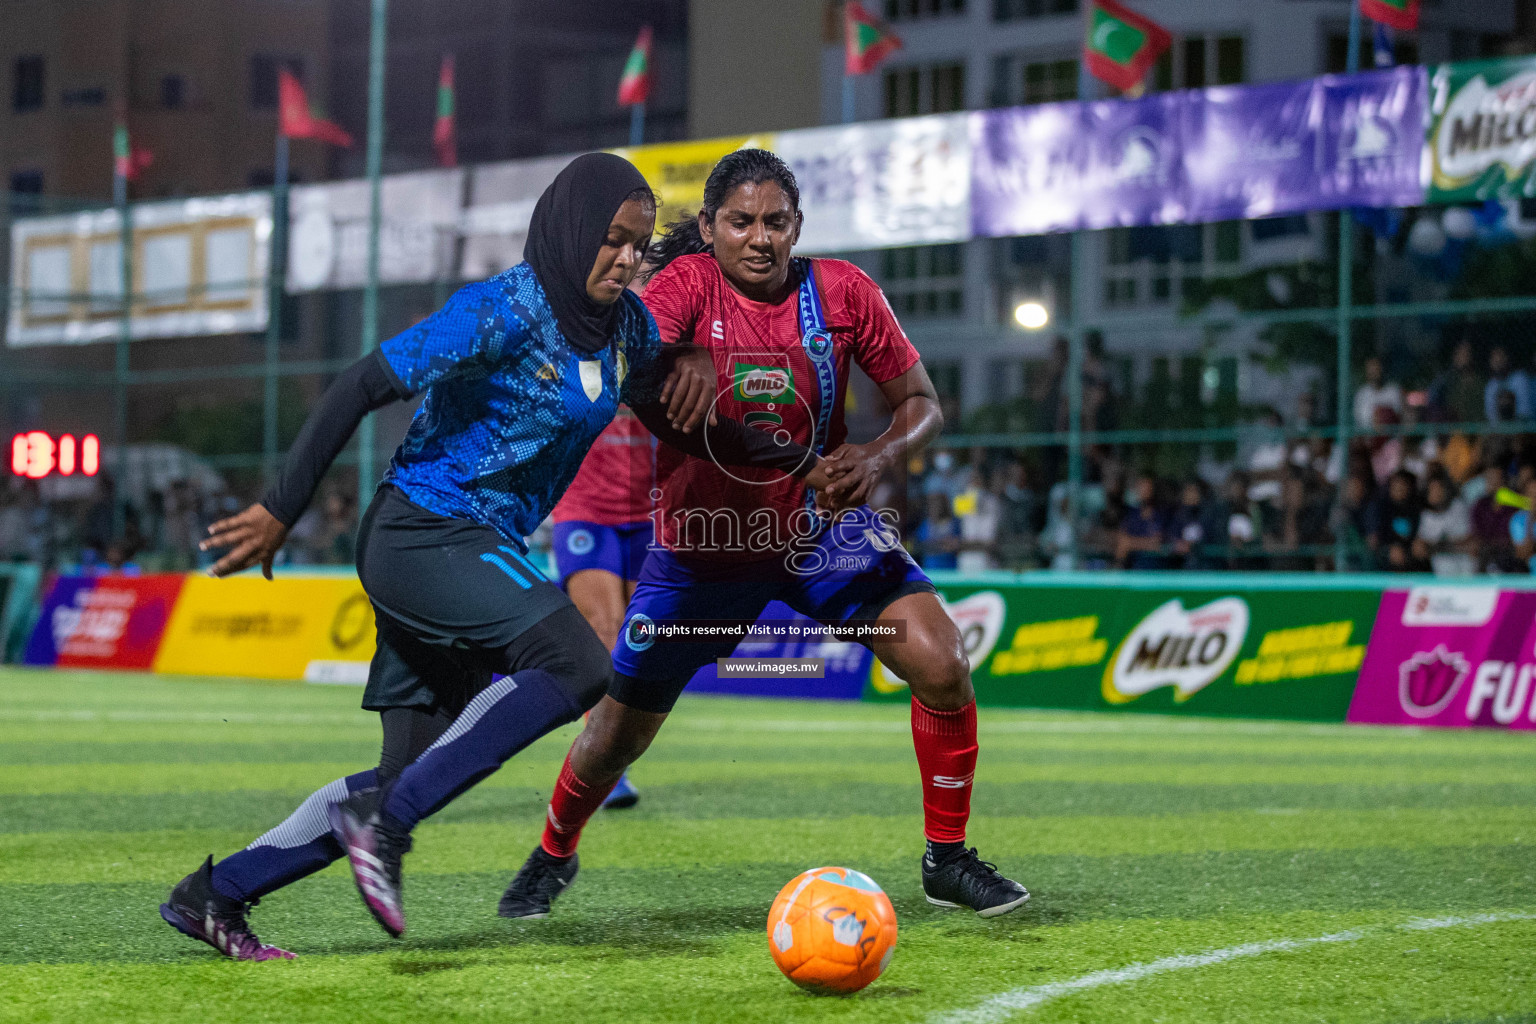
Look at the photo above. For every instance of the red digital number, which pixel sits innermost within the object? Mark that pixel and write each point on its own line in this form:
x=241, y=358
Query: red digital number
x=35, y=455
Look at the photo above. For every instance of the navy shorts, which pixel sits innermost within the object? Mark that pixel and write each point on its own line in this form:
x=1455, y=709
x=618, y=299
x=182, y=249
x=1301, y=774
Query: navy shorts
x=620, y=550
x=856, y=570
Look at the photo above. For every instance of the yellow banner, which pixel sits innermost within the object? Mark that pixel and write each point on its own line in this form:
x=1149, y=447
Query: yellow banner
x=678, y=170
x=320, y=629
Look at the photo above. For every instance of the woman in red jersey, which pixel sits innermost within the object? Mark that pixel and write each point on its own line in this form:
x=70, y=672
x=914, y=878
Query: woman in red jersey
x=782, y=333
x=602, y=533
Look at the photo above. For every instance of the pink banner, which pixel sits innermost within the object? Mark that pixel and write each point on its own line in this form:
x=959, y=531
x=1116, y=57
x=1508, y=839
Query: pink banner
x=1456, y=657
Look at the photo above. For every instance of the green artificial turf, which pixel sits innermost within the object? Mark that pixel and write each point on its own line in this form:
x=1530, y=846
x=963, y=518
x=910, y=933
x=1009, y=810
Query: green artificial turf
x=1143, y=838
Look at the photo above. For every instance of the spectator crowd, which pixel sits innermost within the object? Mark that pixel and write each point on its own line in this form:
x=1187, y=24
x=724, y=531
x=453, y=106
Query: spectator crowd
x=1439, y=480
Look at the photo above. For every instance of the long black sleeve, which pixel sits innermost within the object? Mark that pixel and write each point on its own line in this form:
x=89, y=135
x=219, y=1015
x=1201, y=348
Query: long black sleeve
x=366, y=385
x=729, y=442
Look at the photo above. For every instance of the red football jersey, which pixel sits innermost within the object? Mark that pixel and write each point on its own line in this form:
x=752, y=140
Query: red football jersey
x=766, y=380
x=613, y=486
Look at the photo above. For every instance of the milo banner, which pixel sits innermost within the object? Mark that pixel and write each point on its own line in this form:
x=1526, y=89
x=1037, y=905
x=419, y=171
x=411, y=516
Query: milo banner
x=1450, y=656
x=1221, y=650
x=1482, y=131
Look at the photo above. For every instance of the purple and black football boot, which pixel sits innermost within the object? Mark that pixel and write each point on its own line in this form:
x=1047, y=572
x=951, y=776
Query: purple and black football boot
x=197, y=909
x=374, y=851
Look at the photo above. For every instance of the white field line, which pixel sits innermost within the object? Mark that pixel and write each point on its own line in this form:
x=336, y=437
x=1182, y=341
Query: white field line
x=1004, y=1005
x=181, y=717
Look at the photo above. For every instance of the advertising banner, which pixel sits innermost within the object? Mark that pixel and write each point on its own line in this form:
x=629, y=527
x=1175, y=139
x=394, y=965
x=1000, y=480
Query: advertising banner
x=319, y=629
x=103, y=621
x=1450, y=656
x=678, y=170
x=904, y=181
x=1244, y=652
x=1260, y=151
x=1200, y=155
x=1481, y=140
x=328, y=231
x=200, y=267
x=1065, y=166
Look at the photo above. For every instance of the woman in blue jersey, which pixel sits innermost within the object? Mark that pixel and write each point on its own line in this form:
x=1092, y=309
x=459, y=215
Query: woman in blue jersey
x=521, y=373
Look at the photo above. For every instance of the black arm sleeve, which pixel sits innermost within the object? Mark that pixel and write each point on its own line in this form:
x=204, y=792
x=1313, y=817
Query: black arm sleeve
x=366, y=385
x=729, y=443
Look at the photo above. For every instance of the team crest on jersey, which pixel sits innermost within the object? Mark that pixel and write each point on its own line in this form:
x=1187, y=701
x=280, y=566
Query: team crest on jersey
x=591, y=378
x=580, y=542
x=769, y=385
x=818, y=344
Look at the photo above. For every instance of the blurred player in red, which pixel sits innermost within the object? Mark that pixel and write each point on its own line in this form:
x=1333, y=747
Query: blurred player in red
x=602, y=533
x=783, y=333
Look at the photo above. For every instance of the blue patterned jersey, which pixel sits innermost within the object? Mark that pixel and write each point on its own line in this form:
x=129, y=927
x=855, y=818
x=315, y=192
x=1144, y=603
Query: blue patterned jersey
x=511, y=406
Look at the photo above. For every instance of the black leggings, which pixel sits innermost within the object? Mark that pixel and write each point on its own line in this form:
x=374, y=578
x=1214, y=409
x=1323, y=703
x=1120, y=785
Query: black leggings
x=562, y=644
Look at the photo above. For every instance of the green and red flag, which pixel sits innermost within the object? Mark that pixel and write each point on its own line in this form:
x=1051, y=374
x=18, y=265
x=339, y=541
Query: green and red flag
x=445, y=138
x=1121, y=45
x=1402, y=15
x=867, y=40
x=128, y=160
x=635, y=86
x=295, y=118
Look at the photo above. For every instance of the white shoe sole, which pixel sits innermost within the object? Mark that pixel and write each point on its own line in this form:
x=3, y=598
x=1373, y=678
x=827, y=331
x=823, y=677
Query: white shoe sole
x=997, y=911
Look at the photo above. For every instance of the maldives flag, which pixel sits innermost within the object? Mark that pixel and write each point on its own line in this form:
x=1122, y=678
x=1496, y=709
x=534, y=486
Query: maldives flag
x=128, y=161
x=444, y=134
x=867, y=40
x=1122, y=45
x=635, y=86
x=1402, y=15
x=297, y=121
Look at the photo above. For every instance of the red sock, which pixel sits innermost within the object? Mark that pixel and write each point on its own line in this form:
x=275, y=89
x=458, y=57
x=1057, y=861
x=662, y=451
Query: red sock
x=946, y=755
x=573, y=803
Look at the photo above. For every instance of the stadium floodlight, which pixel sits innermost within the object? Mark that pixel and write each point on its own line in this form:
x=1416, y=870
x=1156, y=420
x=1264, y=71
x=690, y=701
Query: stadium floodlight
x=1032, y=316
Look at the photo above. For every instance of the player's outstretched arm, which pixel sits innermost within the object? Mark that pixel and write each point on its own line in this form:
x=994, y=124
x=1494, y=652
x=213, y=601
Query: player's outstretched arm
x=255, y=535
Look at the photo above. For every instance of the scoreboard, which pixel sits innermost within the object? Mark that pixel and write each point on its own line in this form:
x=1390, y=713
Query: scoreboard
x=37, y=454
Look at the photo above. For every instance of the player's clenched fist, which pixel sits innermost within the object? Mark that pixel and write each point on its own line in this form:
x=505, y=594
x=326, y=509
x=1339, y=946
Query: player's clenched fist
x=253, y=536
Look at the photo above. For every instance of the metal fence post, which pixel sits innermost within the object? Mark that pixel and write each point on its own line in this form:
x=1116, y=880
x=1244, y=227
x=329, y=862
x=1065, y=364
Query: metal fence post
x=365, y=433
x=1345, y=329
x=277, y=263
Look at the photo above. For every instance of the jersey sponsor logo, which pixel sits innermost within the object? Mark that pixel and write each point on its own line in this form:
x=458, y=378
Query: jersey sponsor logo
x=547, y=372
x=591, y=378
x=770, y=385
x=717, y=331
x=639, y=632
x=580, y=542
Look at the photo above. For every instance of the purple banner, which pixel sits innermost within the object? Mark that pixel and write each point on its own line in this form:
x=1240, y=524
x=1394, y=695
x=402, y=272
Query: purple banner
x=1202, y=155
x=1064, y=166
x=1454, y=656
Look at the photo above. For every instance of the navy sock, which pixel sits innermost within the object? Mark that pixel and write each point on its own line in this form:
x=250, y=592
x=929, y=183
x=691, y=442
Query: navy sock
x=507, y=716
x=300, y=846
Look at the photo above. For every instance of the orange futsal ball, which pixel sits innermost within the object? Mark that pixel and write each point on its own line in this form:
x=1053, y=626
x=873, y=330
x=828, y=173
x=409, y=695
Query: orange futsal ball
x=832, y=930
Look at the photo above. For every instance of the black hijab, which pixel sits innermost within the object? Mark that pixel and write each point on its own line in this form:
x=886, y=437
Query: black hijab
x=569, y=224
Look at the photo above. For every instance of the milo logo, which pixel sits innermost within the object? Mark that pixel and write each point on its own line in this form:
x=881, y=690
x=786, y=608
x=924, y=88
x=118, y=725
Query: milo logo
x=1187, y=650
x=772, y=385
